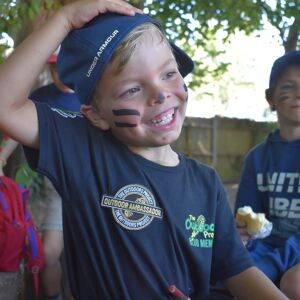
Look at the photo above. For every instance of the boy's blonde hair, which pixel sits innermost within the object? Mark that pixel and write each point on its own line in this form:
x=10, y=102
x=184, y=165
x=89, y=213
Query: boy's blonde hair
x=128, y=46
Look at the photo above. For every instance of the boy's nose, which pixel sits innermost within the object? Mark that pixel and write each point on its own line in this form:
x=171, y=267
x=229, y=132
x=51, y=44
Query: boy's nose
x=161, y=97
x=158, y=98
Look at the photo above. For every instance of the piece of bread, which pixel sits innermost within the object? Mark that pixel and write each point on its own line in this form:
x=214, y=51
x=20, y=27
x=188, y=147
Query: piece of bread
x=255, y=221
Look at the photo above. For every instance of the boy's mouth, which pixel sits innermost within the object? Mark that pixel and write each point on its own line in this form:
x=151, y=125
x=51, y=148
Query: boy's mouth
x=164, y=118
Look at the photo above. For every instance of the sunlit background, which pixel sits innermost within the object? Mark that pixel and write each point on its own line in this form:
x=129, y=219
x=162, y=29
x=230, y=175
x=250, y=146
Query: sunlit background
x=240, y=92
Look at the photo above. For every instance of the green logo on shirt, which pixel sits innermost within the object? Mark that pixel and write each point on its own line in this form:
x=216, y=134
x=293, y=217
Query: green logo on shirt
x=202, y=233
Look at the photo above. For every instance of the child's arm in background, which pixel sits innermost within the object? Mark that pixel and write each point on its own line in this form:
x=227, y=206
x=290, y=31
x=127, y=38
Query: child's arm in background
x=7, y=147
x=253, y=284
x=18, y=116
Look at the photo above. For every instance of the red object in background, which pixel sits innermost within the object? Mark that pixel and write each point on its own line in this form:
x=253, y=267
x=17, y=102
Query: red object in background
x=18, y=237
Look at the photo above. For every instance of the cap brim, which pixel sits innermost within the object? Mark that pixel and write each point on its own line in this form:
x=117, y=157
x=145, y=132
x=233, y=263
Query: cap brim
x=185, y=63
x=280, y=64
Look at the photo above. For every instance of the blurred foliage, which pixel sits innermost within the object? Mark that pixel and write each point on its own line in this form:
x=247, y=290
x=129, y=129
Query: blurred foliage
x=25, y=175
x=193, y=24
x=16, y=14
x=196, y=24
x=28, y=178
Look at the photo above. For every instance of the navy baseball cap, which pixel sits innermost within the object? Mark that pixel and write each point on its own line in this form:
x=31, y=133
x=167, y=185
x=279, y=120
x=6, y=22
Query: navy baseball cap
x=86, y=51
x=281, y=63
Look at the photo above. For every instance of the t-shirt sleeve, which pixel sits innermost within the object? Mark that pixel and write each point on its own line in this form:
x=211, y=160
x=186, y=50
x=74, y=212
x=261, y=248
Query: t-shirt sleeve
x=55, y=130
x=32, y=155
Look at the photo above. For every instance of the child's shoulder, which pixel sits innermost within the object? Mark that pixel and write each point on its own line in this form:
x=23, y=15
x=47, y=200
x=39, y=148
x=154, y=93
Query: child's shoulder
x=45, y=109
x=195, y=165
x=270, y=142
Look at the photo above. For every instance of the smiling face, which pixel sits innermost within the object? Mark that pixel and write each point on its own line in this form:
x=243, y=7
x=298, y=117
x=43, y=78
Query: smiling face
x=286, y=97
x=144, y=101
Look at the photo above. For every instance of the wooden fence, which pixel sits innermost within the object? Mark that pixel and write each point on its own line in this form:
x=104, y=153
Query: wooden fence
x=221, y=142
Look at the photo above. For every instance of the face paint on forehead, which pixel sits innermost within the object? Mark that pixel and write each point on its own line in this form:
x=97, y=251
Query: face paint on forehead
x=125, y=112
x=124, y=125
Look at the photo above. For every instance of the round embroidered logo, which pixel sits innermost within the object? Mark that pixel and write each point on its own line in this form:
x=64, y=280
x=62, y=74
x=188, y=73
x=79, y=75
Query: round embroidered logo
x=133, y=207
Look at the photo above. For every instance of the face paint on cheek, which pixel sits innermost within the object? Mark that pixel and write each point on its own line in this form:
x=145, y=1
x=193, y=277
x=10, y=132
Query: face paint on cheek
x=125, y=125
x=186, y=90
x=283, y=97
x=125, y=112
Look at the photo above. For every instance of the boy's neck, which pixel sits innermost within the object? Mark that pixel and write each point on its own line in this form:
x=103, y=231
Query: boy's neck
x=290, y=133
x=164, y=155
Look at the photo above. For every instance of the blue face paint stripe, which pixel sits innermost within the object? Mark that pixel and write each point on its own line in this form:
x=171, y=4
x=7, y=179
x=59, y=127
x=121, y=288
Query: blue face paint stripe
x=119, y=124
x=125, y=112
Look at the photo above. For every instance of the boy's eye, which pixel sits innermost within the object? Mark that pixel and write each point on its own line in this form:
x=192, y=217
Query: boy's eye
x=170, y=74
x=286, y=87
x=130, y=92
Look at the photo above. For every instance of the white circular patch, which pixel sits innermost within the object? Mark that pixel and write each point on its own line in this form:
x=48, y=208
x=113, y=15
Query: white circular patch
x=141, y=207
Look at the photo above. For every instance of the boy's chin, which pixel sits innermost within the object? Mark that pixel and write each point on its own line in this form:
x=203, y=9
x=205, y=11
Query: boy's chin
x=149, y=144
x=152, y=141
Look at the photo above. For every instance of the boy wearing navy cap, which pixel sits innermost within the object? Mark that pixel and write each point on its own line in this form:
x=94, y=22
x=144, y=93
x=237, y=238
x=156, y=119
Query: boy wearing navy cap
x=140, y=221
x=271, y=178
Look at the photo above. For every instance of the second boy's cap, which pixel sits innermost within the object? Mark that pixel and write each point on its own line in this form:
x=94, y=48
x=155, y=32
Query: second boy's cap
x=281, y=63
x=86, y=51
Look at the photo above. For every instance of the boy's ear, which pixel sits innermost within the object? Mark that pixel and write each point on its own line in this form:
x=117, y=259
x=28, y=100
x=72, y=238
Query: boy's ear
x=269, y=98
x=94, y=116
x=268, y=94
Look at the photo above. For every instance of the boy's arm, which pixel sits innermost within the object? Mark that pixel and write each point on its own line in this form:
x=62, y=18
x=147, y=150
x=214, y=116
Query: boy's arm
x=18, y=116
x=7, y=147
x=253, y=284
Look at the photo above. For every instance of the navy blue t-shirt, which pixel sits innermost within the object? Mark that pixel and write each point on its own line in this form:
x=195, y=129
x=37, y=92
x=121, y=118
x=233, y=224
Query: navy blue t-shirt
x=133, y=227
x=51, y=95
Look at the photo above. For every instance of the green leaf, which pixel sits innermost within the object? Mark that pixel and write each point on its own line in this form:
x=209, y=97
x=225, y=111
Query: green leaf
x=25, y=175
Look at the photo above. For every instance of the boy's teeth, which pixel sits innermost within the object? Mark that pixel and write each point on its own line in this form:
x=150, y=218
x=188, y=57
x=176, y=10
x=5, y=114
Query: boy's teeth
x=164, y=120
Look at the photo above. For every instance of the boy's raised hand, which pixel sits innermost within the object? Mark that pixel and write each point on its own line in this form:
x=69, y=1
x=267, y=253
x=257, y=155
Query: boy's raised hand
x=19, y=72
x=81, y=12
